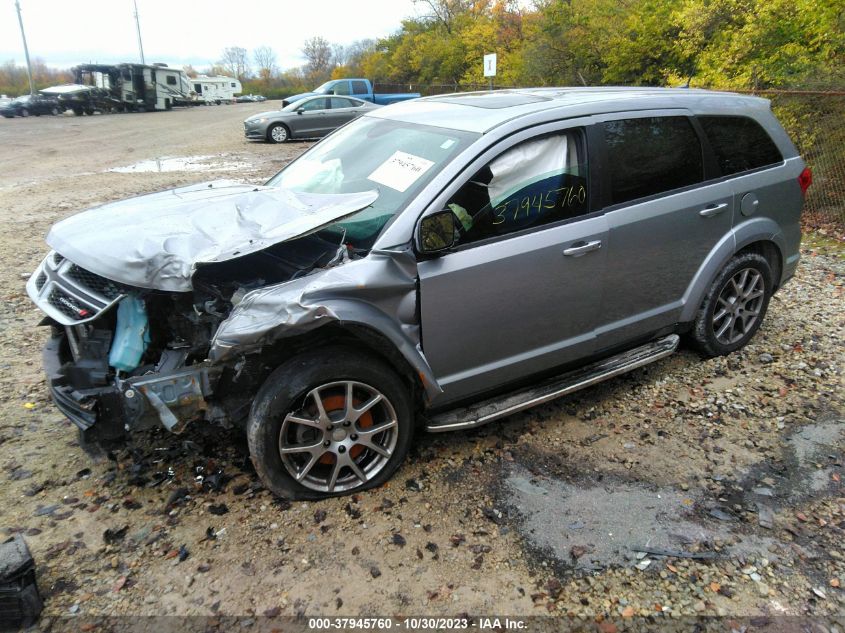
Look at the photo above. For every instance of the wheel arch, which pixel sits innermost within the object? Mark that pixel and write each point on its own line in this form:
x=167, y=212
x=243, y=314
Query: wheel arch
x=759, y=235
x=359, y=325
x=356, y=336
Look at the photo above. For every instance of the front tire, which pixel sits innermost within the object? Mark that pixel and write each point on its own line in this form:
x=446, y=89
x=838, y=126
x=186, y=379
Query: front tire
x=734, y=307
x=278, y=133
x=24, y=112
x=329, y=422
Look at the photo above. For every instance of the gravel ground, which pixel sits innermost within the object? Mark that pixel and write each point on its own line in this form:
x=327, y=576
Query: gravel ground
x=688, y=487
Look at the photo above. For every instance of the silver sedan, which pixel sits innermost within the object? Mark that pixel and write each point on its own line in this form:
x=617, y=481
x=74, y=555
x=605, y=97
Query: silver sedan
x=312, y=117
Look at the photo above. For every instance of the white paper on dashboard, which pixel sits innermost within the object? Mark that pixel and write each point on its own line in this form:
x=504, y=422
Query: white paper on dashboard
x=400, y=171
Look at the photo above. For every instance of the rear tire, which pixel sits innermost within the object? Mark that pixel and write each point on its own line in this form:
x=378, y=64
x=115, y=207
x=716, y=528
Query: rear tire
x=24, y=112
x=734, y=307
x=278, y=133
x=329, y=422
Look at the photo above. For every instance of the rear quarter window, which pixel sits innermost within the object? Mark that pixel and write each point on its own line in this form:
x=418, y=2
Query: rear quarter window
x=740, y=143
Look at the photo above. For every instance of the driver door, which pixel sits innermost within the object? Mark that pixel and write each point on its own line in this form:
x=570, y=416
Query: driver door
x=312, y=121
x=519, y=294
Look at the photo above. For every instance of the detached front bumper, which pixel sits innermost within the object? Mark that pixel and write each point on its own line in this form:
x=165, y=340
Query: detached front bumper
x=107, y=413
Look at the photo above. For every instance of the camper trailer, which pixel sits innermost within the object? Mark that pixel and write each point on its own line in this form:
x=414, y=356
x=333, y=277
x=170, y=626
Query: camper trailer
x=217, y=90
x=138, y=87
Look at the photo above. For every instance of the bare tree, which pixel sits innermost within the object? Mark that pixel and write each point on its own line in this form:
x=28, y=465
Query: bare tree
x=340, y=54
x=235, y=61
x=444, y=11
x=265, y=63
x=318, y=56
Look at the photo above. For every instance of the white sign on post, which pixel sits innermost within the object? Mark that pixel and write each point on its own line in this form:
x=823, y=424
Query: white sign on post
x=490, y=65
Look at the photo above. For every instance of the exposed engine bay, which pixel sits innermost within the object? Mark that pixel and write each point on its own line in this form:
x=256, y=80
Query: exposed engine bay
x=129, y=357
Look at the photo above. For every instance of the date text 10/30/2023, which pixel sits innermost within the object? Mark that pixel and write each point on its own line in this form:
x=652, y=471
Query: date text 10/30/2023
x=417, y=623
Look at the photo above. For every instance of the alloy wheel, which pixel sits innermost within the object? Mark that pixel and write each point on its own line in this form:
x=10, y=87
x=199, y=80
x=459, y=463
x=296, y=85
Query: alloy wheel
x=279, y=134
x=738, y=306
x=341, y=436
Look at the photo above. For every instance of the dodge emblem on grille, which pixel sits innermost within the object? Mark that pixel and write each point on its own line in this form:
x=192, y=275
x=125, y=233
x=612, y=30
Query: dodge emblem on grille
x=82, y=312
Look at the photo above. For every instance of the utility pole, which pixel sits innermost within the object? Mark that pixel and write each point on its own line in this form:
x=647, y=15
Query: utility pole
x=138, y=27
x=25, y=48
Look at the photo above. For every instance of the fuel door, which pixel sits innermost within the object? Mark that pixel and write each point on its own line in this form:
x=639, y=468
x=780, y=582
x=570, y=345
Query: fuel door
x=749, y=204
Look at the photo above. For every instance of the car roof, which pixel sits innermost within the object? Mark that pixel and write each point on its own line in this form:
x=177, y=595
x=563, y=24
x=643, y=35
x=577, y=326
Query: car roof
x=482, y=111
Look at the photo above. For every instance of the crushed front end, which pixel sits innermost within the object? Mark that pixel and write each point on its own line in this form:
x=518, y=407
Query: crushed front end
x=121, y=358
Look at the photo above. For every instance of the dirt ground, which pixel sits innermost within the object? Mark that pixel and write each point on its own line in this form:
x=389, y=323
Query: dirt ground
x=688, y=487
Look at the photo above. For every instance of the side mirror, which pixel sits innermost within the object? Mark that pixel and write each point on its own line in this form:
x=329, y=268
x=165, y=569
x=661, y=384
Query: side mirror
x=300, y=110
x=437, y=232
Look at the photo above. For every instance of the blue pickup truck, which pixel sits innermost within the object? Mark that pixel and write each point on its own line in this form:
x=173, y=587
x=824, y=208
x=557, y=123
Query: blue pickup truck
x=360, y=88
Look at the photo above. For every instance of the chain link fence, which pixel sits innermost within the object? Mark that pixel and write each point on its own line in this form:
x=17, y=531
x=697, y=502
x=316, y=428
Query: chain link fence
x=815, y=120
x=816, y=123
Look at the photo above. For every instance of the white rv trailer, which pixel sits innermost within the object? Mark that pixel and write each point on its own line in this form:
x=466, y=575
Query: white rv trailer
x=218, y=89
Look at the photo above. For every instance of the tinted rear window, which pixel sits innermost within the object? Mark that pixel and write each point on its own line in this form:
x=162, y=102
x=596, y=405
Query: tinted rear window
x=740, y=143
x=651, y=155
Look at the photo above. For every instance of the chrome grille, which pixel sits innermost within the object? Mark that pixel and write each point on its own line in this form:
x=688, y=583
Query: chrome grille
x=70, y=294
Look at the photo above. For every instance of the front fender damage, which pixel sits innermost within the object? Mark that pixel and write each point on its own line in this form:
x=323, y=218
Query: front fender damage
x=378, y=292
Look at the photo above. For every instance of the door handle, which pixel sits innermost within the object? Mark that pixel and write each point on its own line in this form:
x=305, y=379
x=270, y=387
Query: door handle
x=582, y=248
x=713, y=209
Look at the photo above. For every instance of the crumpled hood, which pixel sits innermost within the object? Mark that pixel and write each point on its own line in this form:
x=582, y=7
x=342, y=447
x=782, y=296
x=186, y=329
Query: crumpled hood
x=156, y=241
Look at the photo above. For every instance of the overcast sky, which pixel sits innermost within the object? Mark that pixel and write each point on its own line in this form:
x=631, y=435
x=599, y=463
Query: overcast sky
x=68, y=32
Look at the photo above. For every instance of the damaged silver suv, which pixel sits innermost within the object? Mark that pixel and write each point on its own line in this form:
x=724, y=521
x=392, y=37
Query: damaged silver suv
x=439, y=263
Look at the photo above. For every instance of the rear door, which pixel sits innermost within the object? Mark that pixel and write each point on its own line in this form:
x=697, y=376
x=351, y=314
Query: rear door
x=342, y=111
x=520, y=292
x=665, y=212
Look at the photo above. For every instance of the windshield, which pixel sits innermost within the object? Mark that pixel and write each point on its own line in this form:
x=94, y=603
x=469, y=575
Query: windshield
x=395, y=158
x=23, y=99
x=325, y=88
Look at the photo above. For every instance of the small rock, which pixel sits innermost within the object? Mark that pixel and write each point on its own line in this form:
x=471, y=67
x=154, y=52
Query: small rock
x=766, y=358
x=375, y=572
x=111, y=536
x=720, y=514
x=218, y=509
x=766, y=517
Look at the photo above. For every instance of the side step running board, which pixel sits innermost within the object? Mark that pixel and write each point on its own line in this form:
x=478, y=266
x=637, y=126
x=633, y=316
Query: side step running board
x=501, y=406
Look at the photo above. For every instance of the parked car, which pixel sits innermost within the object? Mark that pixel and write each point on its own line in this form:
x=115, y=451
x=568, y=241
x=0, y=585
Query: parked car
x=358, y=88
x=312, y=117
x=30, y=104
x=440, y=263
